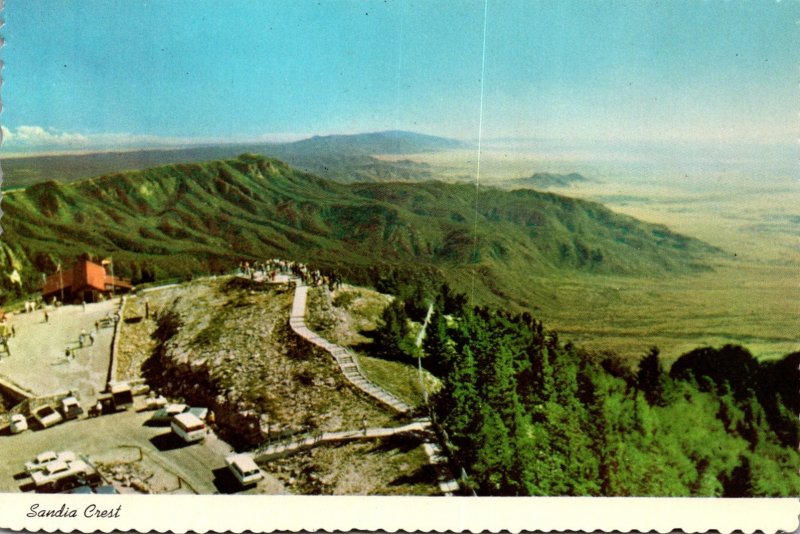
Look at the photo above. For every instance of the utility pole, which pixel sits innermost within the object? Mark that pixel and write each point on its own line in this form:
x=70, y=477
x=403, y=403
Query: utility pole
x=421, y=378
x=61, y=281
x=419, y=352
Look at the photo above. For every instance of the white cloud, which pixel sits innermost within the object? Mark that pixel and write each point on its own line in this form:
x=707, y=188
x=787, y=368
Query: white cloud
x=31, y=139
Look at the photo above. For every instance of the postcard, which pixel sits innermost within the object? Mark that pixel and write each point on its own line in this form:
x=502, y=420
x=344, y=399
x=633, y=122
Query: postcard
x=438, y=266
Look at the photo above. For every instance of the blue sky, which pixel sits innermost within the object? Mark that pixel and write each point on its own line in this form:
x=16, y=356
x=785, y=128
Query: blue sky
x=104, y=74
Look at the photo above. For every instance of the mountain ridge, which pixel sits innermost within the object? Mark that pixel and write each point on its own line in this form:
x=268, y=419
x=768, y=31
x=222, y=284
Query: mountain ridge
x=344, y=158
x=176, y=220
x=545, y=180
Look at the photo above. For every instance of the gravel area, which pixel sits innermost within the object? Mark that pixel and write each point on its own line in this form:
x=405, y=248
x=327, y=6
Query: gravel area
x=393, y=466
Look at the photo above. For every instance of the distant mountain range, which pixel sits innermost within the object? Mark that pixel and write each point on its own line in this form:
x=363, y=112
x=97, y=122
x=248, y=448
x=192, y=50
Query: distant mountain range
x=344, y=158
x=543, y=180
x=201, y=217
x=390, y=142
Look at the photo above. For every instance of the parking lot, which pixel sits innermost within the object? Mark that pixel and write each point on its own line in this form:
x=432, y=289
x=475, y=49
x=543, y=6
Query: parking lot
x=38, y=360
x=124, y=442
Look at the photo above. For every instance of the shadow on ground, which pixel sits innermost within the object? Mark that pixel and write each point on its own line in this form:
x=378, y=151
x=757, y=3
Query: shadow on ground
x=424, y=475
x=168, y=442
x=400, y=442
x=225, y=482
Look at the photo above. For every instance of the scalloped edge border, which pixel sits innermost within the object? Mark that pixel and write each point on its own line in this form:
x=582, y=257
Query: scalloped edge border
x=208, y=513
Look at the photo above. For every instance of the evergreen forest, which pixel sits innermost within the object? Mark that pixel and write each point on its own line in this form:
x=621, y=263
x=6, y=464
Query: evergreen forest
x=526, y=414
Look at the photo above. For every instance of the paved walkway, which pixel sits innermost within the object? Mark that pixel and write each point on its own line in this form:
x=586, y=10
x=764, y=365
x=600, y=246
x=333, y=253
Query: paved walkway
x=352, y=371
x=345, y=359
x=37, y=362
x=307, y=441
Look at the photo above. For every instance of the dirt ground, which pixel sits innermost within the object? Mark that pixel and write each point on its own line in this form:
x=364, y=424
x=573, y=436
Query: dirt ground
x=395, y=466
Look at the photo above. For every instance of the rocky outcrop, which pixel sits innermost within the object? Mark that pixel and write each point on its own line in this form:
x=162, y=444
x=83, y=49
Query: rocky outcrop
x=226, y=345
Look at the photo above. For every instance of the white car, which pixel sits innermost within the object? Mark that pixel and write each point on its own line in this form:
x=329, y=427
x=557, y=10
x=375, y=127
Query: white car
x=47, y=416
x=58, y=470
x=71, y=408
x=244, y=469
x=46, y=458
x=154, y=403
x=189, y=427
x=165, y=415
x=18, y=423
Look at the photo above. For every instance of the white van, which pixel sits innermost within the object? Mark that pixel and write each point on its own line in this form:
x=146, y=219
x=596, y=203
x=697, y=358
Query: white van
x=244, y=469
x=189, y=427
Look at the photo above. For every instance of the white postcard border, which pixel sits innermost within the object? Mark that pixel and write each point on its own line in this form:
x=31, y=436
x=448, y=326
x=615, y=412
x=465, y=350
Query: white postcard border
x=225, y=513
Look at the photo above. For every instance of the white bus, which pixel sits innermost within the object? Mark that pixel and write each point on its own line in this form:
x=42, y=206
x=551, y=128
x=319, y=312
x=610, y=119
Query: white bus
x=189, y=427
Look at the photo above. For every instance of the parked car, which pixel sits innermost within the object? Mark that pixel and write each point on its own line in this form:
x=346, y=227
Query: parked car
x=60, y=475
x=244, y=469
x=165, y=415
x=71, y=408
x=44, y=459
x=122, y=395
x=188, y=427
x=41, y=460
x=118, y=398
x=154, y=403
x=18, y=423
x=46, y=416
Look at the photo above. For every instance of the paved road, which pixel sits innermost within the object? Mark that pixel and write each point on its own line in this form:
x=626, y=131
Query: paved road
x=38, y=360
x=119, y=437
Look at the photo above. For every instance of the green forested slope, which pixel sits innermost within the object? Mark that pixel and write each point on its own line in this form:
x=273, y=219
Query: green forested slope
x=194, y=218
x=527, y=415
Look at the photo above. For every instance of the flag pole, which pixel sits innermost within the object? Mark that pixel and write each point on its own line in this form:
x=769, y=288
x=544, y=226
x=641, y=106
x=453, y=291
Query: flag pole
x=61, y=281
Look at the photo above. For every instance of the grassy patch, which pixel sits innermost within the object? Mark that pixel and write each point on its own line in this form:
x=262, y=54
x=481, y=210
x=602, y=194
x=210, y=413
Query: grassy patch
x=740, y=303
x=400, y=379
x=353, y=311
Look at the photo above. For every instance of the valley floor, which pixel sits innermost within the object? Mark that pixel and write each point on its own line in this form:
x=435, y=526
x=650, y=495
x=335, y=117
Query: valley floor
x=747, y=304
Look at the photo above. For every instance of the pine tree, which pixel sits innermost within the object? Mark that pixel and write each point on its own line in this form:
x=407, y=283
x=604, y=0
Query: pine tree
x=390, y=337
x=459, y=404
x=495, y=455
x=436, y=345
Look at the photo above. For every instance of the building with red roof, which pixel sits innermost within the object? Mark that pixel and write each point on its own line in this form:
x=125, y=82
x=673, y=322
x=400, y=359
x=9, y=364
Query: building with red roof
x=86, y=281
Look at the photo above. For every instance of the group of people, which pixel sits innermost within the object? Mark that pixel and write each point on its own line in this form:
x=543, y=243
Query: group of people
x=90, y=336
x=84, y=340
x=33, y=305
x=272, y=268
